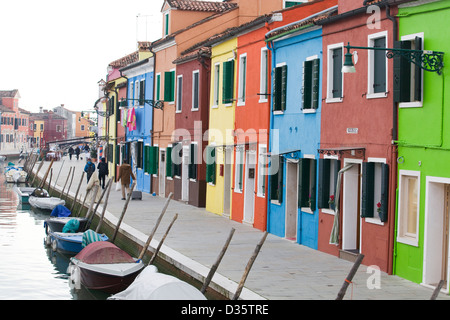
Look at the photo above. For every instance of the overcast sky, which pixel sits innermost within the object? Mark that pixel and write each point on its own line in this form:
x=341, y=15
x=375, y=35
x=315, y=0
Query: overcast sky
x=55, y=52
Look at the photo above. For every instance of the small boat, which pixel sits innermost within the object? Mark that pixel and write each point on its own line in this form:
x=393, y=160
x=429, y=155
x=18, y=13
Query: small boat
x=15, y=175
x=59, y=218
x=103, y=266
x=45, y=203
x=72, y=243
x=25, y=192
x=152, y=285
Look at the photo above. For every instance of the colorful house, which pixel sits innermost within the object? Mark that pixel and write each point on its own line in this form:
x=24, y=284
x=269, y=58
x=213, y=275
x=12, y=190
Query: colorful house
x=359, y=159
x=295, y=125
x=14, y=122
x=137, y=117
x=422, y=224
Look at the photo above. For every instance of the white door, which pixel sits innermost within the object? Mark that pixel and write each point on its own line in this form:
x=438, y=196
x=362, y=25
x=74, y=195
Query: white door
x=162, y=172
x=185, y=173
x=351, y=209
x=291, y=200
x=249, y=191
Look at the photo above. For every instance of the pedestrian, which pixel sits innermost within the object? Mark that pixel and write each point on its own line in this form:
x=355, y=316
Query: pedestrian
x=71, y=152
x=125, y=172
x=89, y=168
x=77, y=152
x=102, y=171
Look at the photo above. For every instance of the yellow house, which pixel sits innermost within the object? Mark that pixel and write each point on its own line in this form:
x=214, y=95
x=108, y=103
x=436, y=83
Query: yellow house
x=219, y=154
x=38, y=129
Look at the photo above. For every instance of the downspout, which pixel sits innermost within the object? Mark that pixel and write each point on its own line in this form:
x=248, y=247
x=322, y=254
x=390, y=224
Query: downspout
x=153, y=110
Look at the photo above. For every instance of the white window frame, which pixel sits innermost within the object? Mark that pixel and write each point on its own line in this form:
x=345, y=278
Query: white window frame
x=402, y=236
x=216, y=88
x=195, y=72
x=377, y=189
x=263, y=75
x=179, y=94
x=371, y=64
x=242, y=83
x=332, y=185
x=262, y=163
x=240, y=156
x=330, y=49
x=414, y=104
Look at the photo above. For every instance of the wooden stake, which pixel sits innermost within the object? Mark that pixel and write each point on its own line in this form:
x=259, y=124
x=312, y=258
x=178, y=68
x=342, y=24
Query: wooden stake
x=38, y=169
x=249, y=266
x=101, y=196
x=216, y=264
x=123, y=212
x=437, y=290
x=162, y=240
x=350, y=276
x=42, y=183
x=144, y=249
x=82, y=205
x=56, y=181
x=90, y=216
x=70, y=184
x=104, y=206
x=76, y=194
x=50, y=180
x=67, y=179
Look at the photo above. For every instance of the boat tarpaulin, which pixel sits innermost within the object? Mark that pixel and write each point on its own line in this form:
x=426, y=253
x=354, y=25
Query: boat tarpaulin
x=60, y=211
x=103, y=252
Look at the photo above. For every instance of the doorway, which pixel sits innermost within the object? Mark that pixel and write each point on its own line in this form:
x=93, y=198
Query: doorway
x=249, y=191
x=351, y=207
x=162, y=172
x=436, y=241
x=291, y=200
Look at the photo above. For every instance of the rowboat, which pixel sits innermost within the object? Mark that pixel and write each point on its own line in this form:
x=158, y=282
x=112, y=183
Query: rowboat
x=15, y=175
x=152, y=285
x=45, y=203
x=72, y=243
x=103, y=266
x=25, y=192
x=59, y=218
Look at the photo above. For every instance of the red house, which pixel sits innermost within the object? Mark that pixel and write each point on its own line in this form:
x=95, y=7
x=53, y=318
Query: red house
x=55, y=126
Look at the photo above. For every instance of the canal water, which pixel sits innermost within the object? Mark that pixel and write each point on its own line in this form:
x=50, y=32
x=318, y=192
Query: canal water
x=28, y=269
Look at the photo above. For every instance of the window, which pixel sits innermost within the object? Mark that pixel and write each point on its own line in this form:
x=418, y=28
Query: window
x=334, y=79
x=42, y=126
x=193, y=162
x=288, y=4
x=307, y=183
x=136, y=93
x=140, y=154
x=262, y=160
x=177, y=156
x=276, y=179
x=210, y=164
x=408, y=224
x=242, y=78
x=328, y=174
x=179, y=93
x=151, y=160
x=158, y=86
x=375, y=183
x=141, y=95
x=377, y=69
x=279, y=87
x=216, y=84
x=263, y=85
x=408, y=84
x=310, y=85
x=195, y=89
x=82, y=127
x=166, y=24
x=169, y=86
x=239, y=169
x=228, y=82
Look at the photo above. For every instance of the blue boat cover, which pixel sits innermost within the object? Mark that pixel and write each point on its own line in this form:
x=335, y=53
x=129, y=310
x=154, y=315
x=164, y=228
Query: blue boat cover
x=60, y=211
x=71, y=226
x=90, y=236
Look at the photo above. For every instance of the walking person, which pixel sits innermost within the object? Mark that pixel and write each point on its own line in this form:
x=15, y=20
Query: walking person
x=102, y=171
x=77, y=152
x=125, y=173
x=71, y=152
x=89, y=168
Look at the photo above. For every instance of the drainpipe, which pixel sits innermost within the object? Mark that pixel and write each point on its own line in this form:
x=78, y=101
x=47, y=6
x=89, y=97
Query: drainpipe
x=153, y=113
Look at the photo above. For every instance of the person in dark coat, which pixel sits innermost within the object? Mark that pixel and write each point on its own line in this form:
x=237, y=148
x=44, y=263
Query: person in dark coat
x=125, y=173
x=102, y=172
x=70, y=153
x=77, y=152
x=89, y=168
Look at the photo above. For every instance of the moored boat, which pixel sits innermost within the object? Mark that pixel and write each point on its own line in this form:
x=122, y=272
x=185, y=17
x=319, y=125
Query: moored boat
x=45, y=203
x=25, y=192
x=103, y=266
x=72, y=243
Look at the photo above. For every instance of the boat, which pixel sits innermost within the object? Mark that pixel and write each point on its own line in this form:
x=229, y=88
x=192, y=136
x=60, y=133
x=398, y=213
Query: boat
x=45, y=203
x=152, y=285
x=59, y=218
x=25, y=192
x=103, y=266
x=15, y=175
x=72, y=243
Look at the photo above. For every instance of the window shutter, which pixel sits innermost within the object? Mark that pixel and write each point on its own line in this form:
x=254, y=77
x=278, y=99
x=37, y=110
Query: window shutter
x=337, y=73
x=418, y=73
x=312, y=187
x=117, y=154
x=379, y=77
x=384, y=192
x=307, y=84
x=303, y=183
x=169, y=85
x=211, y=164
x=169, y=172
x=367, y=208
x=277, y=89
x=141, y=92
x=283, y=87
x=280, y=179
x=192, y=164
x=228, y=81
x=154, y=151
x=315, y=83
x=324, y=184
x=146, y=159
x=140, y=154
x=402, y=74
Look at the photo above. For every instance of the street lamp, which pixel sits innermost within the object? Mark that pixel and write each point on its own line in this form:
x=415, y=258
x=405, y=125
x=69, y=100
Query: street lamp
x=427, y=60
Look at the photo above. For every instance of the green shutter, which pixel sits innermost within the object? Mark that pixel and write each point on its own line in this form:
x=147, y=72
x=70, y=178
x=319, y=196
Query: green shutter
x=277, y=89
x=141, y=92
x=211, y=165
x=307, y=84
x=323, y=193
x=158, y=87
x=312, y=186
x=384, y=192
x=368, y=178
x=117, y=154
x=193, y=162
x=417, y=73
x=283, y=87
x=147, y=159
x=228, y=82
x=280, y=179
x=337, y=73
x=379, y=68
x=169, y=172
x=402, y=74
x=315, y=83
x=169, y=86
x=303, y=183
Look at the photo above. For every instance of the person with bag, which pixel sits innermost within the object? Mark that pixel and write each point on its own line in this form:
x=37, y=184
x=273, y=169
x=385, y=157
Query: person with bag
x=89, y=168
x=102, y=172
x=125, y=173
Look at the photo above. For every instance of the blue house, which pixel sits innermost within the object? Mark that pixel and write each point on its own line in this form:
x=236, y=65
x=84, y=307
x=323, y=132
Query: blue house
x=295, y=130
x=138, y=120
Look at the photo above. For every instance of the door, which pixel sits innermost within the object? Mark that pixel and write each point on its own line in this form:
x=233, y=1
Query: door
x=291, y=200
x=445, y=238
x=162, y=172
x=351, y=221
x=185, y=173
x=249, y=185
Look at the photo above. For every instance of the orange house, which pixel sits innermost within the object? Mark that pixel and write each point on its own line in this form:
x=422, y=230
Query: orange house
x=82, y=125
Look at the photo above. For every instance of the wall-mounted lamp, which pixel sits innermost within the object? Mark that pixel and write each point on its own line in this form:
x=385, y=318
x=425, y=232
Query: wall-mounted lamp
x=427, y=60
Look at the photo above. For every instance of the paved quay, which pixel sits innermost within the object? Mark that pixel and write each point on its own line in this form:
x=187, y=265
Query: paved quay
x=283, y=270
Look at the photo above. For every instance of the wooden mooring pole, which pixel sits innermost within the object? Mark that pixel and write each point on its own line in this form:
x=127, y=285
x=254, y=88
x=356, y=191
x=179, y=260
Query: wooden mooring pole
x=162, y=240
x=76, y=194
x=249, y=266
x=350, y=276
x=104, y=206
x=437, y=290
x=123, y=212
